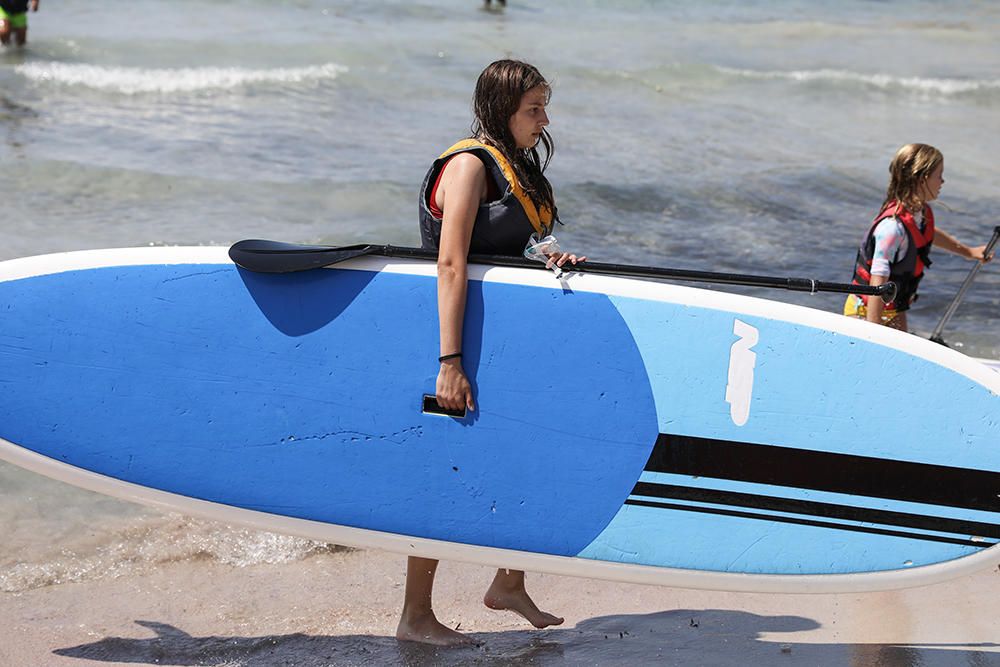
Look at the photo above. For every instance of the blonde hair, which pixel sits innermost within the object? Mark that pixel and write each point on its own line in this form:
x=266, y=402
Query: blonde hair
x=911, y=166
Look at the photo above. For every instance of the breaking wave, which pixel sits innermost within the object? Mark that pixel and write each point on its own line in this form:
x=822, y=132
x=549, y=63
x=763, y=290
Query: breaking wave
x=938, y=86
x=137, y=81
x=143, y=544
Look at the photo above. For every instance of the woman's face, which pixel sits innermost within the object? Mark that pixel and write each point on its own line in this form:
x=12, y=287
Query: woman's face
x=529, y=120
x=931, y=187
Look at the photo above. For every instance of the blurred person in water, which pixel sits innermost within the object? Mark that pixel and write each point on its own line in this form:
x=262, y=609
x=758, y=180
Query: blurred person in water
x=14, y=20
x=898, y=243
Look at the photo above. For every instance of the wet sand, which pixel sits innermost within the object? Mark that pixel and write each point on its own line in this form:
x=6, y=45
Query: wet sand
x=341, y=608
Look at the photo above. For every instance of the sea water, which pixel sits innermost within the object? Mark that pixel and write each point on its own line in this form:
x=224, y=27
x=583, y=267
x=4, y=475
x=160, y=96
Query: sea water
x=721, y=136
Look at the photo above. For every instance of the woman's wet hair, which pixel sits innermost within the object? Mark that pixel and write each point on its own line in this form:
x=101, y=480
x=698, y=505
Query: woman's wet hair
x=911, y=166
x=498, y=96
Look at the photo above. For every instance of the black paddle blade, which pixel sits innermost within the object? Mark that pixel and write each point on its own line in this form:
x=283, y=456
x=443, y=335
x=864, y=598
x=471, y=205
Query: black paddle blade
x=263, y=256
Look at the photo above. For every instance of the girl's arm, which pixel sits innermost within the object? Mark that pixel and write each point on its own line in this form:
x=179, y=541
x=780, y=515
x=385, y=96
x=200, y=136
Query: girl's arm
x=946, y=241
x=889, y=236
x=873, y=312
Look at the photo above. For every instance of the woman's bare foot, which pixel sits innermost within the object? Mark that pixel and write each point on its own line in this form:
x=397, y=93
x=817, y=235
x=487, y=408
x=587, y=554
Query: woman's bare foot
x=426, y=629
x=507, y=592
x=418, y=623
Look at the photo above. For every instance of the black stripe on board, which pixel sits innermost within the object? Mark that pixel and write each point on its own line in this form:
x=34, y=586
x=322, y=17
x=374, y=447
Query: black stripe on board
x=808, y=522
x=824, y=471
x=818, y=509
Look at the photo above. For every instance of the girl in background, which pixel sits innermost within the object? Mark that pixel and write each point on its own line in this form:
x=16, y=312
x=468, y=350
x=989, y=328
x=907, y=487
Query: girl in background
x=898, y=243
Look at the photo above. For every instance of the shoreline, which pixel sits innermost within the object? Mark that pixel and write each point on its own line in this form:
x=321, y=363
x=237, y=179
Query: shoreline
x=341, y=608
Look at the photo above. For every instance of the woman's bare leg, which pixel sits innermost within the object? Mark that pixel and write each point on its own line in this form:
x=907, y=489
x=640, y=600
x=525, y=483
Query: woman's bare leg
x=507, y=592
x=417, y=622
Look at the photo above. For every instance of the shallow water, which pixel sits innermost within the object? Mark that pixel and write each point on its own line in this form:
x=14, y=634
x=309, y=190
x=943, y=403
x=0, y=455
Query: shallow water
x=720, y=136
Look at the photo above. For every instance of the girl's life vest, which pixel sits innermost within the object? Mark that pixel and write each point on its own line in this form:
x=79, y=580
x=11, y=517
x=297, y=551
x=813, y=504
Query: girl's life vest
x=908, y=270
x=502, y=227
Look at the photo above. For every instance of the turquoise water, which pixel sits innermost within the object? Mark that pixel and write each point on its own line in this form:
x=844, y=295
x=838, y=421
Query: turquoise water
x=747, y=137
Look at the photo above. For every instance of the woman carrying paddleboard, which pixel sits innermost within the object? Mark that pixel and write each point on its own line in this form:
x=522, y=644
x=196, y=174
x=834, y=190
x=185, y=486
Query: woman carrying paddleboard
x=898, y=243
x=486, y=194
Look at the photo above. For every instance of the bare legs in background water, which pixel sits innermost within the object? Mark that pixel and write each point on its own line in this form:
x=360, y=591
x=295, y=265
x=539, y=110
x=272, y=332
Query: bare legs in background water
x=16, y=25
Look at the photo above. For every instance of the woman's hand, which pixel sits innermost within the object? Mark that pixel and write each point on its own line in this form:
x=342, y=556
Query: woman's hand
x=560, y=258
x=453, y=389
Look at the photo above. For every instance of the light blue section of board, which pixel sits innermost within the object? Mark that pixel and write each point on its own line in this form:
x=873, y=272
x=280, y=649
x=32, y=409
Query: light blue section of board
x=813, y=389
x=300, y=395
x=718, y=543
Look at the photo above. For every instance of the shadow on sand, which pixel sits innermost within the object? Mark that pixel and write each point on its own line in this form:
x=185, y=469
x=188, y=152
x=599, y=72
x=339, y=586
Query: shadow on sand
x=679, y=637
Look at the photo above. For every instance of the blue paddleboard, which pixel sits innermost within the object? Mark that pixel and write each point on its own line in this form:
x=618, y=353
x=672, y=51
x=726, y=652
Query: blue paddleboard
x=625, y=429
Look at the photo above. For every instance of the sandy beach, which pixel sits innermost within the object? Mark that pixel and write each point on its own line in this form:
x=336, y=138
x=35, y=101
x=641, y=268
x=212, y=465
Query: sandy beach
x=340, y=608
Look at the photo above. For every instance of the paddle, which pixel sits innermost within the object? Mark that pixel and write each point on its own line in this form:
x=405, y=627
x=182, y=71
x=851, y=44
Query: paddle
x=276, y=257
x=936, y=334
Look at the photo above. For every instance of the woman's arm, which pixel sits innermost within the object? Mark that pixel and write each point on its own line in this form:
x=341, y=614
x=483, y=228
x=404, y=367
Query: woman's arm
x=462, y=190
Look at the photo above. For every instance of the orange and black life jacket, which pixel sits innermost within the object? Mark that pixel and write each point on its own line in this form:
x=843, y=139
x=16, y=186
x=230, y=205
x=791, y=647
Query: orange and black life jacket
x=502, y=227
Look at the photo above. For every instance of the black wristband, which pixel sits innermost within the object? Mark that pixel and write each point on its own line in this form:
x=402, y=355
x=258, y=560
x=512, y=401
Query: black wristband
x=453, y=355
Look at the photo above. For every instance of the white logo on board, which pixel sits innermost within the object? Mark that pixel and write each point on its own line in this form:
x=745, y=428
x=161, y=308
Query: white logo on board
x=741, y=364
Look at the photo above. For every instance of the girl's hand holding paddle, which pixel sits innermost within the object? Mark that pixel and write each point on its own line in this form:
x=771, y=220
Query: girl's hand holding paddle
x=979, y=253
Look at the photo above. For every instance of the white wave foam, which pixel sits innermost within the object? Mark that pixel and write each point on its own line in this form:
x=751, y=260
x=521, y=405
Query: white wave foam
x=880, y=81
x=135, y=546
x=135, y=80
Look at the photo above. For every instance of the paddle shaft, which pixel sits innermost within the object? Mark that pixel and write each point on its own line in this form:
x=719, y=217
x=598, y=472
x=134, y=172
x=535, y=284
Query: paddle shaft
x=953, y=306
x=277, y=257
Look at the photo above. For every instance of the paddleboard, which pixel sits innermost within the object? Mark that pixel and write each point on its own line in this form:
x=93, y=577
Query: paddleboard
x=991, y=363
x=626, y=429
